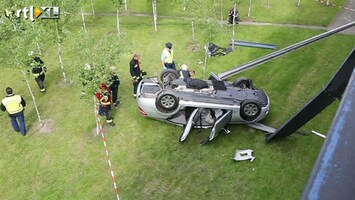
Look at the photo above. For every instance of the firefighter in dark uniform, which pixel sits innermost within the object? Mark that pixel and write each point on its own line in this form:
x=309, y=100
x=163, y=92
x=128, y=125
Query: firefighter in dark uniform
x=38, y=71
x=114, y=84
x=136, y=72
x=233, y=16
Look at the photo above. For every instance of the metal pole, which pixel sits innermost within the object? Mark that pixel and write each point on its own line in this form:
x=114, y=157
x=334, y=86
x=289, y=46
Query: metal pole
x=276, y=54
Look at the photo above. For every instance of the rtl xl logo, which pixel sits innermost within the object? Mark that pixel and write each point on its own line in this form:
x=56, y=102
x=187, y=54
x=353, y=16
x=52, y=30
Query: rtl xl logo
x=33, y=13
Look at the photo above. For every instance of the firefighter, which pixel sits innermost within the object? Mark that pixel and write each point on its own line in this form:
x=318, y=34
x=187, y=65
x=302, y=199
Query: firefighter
x=167, y=57
x=136, y=72
x=105, y=99
x=233, y=16
x=38, y=70
x=114, y=84
x=14, y=105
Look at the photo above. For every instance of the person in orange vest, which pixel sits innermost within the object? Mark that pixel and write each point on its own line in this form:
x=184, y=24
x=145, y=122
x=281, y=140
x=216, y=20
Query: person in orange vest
x=167, y=57
x=105, y=98
x=14, y=105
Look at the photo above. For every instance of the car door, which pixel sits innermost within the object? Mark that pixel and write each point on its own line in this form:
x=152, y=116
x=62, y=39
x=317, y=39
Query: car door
x=190, y=123
x=220, y=123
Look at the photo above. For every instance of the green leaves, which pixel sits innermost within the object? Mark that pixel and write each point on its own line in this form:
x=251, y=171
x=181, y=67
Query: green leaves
x=100, y=54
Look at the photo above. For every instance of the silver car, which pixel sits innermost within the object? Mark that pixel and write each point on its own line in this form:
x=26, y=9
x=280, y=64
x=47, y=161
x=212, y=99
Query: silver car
x=219, y=103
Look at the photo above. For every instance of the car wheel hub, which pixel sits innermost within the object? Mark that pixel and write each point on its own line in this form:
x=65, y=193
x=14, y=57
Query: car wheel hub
x=167, y=101
x=250, y=109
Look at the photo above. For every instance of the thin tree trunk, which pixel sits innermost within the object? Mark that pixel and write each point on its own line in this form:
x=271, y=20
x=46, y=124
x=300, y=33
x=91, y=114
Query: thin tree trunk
x=193, y=34
x=60, y=54
x=299, y=3
x=249, y=10
x=92, y=8
x=206, y=57
x=33, y=98
x=125, y=5
x=38, y=47
x=155, y=15
x=118, y=22
x=233, y=29
x=83, y=19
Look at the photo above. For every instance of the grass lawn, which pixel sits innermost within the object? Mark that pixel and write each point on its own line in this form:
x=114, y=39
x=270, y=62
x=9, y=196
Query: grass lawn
x=70, y=162
x=309, y=12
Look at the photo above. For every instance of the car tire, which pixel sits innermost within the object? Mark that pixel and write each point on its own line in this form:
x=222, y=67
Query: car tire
x=168, y=75
x=249, y=110
x=243, y=83
x=167, y=102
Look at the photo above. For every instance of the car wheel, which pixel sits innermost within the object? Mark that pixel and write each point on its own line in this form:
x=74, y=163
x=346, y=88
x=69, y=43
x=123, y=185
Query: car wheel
x=168, y=75
x=167, y=102
x=249, y=110
x=243, y=83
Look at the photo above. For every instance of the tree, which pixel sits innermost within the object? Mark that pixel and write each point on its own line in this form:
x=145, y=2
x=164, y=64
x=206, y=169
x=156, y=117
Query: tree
x=19, y=42
x=100, y=55
x=192, y=8
x=234, y=22
x=68, y=9
x=118, y=4
x=155, y=14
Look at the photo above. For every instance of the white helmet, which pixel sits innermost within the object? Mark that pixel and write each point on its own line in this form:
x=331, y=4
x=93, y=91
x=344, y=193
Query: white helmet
x=184, y=67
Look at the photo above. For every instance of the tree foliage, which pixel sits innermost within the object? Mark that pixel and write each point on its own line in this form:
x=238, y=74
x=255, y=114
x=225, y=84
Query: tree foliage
x=100, y=55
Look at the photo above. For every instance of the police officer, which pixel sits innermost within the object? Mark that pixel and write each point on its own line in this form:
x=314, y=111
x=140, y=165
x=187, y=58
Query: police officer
x=14, y=105
x=136, y=72
x=167, y=57
x=38, y=70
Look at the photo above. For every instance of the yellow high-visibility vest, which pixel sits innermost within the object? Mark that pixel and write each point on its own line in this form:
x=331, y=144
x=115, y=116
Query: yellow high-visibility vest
x=169, y=56
x=13, y=104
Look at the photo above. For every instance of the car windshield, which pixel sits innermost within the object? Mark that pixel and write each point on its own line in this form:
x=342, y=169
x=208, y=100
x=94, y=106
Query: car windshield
x=151, y=89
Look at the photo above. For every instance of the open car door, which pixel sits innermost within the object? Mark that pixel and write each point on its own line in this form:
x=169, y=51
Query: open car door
x=190, y=123
x=220, y=123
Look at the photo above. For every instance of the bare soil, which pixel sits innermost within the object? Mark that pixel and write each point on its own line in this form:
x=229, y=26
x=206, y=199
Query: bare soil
x=47, y=127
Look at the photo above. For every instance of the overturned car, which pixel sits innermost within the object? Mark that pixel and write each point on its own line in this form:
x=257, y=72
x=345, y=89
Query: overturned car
x=204, y=104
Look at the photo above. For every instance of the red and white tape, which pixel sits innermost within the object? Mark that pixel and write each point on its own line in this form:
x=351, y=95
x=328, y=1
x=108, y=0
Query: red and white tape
x=100, y=131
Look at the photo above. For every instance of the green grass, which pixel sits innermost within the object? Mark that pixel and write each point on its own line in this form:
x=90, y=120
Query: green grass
x=70, y=162
x=309, y=12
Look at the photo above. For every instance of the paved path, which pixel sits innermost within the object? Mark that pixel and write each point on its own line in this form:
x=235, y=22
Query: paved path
x=347, y=15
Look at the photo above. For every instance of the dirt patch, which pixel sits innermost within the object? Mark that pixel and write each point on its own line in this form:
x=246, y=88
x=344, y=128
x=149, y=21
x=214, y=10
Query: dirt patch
x=47, y=126
x=63, y=84
x=104, y=128
x=111, y=33
x=194, y=48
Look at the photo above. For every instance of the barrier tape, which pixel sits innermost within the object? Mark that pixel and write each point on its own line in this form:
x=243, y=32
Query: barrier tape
x=332, y=4
x=100, y=131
